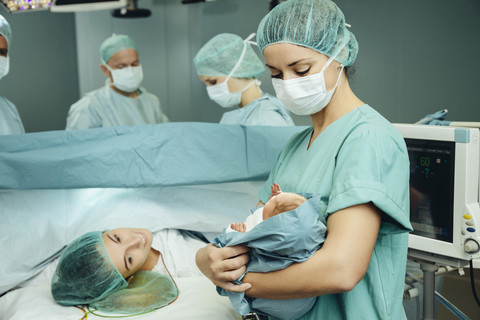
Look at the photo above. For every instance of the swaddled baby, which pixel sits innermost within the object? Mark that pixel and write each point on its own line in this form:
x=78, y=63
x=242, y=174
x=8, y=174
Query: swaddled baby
x=287, y=229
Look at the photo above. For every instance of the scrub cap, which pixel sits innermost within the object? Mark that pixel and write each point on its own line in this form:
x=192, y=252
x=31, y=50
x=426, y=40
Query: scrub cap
x=85, y=273
x=146, y=291
x=220, y=55
x=115, y=43
x=315, y=24
x=5, y=29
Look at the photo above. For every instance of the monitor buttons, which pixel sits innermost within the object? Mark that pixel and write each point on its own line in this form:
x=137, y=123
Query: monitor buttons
x=470, y=223
x=471, y=246
x=467, y=216
x=470, y=229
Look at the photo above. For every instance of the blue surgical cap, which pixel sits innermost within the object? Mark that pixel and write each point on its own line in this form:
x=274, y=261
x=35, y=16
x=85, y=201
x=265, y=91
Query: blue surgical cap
x=221, y=53
x=85, y=273
x=315, y=24
x=5, y=29
x=115, y=43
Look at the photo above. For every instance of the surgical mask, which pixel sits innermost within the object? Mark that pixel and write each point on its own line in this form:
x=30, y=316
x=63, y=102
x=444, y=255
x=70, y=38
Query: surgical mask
x=220, y=92
x=222, y=96
x=305, y=95
x=4, y=66
x=127, y=79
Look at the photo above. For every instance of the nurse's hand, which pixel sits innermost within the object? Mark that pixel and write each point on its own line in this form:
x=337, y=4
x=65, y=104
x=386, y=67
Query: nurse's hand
x=223, y=265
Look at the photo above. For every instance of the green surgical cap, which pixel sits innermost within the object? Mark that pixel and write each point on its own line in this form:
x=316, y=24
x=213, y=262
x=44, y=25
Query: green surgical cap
x=85, y=273
x=146, y=291
x=314, y=24
x=115, y=43
x=221, y=53
x=5, y=29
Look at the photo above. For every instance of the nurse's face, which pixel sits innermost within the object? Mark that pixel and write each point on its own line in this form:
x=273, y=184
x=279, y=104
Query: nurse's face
x=234, y=84
x=128, y=248
x=289, y=61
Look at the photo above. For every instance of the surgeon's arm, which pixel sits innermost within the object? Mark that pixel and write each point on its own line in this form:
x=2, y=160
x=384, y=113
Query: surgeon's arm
x=337, y=267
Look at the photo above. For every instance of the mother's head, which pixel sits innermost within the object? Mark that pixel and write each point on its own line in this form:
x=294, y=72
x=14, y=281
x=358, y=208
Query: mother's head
x=96, y=264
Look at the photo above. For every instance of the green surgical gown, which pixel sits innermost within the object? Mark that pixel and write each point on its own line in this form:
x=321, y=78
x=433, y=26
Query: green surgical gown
x=359, y=158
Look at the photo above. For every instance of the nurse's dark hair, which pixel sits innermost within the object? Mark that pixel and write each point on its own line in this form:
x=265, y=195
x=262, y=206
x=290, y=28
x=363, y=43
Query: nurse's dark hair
x=350, y=71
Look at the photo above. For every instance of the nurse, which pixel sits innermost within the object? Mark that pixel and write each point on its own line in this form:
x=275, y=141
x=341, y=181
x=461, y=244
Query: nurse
x=351, y=156
x=10, y=122
x=229, y=67
x=121, y=102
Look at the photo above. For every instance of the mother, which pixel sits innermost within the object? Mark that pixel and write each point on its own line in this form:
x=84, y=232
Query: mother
x=352, y=156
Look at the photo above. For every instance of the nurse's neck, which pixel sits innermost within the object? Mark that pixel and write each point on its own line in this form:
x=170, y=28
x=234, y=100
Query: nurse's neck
x=251, y=94
x=343, y=101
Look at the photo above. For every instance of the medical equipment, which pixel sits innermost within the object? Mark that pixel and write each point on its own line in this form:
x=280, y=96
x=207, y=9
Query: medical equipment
x=444, y=199
x=23, y=6
x=444, y=190
x=86, y=5
x=131, y=11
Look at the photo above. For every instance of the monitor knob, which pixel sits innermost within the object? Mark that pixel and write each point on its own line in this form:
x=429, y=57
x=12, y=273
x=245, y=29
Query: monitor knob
x=471, y=246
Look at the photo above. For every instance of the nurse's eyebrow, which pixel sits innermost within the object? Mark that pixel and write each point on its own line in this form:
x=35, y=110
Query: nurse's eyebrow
x=290, y=65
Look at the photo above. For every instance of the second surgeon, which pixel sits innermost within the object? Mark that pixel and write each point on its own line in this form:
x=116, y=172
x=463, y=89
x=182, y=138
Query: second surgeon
x=229, y=67
x=121, y=102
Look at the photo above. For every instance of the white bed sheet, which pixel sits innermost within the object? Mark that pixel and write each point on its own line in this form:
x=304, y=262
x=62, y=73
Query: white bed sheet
x=198, y=300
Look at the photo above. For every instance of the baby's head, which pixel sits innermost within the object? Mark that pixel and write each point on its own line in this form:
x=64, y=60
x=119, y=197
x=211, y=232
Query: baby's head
x=284, y=201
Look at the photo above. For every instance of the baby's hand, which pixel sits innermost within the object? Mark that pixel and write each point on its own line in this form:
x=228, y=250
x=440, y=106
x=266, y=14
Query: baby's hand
x=239, y=226
x=275, y=190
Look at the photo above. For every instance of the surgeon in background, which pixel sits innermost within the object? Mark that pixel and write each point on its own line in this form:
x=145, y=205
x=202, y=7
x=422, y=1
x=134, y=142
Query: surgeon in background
x=121, y=102
x=10, y=122
x=229, y=67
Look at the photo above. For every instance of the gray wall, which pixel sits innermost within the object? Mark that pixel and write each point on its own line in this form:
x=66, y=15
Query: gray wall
x=43, y=77
x=416, y=56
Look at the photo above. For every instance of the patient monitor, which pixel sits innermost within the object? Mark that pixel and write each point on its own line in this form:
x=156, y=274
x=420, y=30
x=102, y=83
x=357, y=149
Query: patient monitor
x=444, y=192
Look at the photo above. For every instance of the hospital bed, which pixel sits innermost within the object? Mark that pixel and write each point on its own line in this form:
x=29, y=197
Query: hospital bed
x=55, y=186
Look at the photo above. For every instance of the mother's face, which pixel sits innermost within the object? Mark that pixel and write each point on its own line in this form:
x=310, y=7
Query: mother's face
x=128, y=248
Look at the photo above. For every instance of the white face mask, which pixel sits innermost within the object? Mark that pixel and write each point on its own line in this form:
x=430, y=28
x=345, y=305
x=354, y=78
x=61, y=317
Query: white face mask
x=222, y=96
x=127, y=79
x=220, y=92
x=305, y=95
x=4, y=66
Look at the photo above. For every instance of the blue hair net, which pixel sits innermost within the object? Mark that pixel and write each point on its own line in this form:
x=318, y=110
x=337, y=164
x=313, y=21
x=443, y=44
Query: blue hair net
x=315, y=24
x=5, y=29
x=220, y=55
x=115, y=43
x=85, y=273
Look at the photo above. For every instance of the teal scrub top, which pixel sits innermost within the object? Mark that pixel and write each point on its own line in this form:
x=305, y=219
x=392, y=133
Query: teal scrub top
x=359, y=158
x=105, y=107
x=264, y=111
x=10, y=122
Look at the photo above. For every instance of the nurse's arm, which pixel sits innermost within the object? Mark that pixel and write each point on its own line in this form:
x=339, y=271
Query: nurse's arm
x=337, y=267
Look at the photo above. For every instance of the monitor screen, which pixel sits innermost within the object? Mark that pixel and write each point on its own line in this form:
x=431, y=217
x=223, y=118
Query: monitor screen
x=432, y=168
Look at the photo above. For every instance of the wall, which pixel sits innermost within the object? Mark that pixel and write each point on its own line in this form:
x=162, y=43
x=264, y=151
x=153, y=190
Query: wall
x=43, y=77
x=415, y=57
